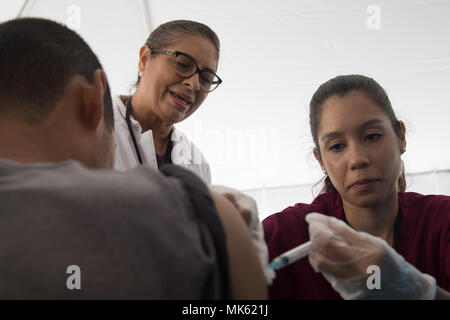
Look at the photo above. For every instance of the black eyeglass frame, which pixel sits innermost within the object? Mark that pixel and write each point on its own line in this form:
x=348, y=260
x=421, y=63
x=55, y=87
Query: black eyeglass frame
x=198, y=70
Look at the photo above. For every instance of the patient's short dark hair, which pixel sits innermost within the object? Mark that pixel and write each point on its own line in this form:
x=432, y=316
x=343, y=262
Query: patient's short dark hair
x=38, y=57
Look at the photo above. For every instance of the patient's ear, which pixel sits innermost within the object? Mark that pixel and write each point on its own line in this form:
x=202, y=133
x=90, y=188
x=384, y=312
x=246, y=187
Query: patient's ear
x=91, y=108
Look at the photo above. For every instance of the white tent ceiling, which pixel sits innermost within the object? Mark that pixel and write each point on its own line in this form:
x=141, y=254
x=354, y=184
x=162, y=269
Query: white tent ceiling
x=254, y=128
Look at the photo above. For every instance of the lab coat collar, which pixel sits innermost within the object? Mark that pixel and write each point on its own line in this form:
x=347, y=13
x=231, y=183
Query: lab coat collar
x=123, y=112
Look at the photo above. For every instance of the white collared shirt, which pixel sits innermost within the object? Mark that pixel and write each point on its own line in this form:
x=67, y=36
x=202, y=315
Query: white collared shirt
x=184, y=153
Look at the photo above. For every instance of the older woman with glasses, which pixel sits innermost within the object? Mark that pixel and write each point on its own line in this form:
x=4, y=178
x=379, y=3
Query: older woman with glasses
x=177, y=68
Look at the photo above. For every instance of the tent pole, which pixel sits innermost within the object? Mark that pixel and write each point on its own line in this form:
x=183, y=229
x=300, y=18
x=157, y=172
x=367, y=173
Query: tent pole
x=146, y=15
x=26, y=8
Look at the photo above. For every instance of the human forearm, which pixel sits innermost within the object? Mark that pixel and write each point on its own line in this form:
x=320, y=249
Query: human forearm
x=442, y=294
x=247, y=277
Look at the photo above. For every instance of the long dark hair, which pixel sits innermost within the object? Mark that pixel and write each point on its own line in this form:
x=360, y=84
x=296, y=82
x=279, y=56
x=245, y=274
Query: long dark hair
x=340, y=86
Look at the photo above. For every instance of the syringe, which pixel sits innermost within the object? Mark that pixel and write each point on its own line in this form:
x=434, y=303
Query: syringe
x=290, y=256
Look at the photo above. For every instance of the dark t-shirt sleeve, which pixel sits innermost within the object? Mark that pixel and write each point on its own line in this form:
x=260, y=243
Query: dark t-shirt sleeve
x=206, y=210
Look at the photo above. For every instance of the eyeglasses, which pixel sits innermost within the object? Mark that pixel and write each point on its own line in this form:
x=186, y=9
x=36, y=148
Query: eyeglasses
x=185, y=66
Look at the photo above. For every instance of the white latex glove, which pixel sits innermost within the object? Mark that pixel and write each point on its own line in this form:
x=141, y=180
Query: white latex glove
x=249, y=211
x=343, y=256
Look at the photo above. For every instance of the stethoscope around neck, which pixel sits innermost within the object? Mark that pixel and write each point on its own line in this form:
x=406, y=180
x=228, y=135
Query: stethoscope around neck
x=133, y=137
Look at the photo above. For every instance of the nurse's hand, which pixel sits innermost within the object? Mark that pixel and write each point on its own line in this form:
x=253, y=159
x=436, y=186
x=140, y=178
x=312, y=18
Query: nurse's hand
x=361, y=266
x=249, y=211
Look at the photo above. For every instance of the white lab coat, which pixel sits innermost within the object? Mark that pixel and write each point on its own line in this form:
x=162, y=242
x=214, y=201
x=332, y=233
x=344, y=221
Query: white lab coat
x=184, y=152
